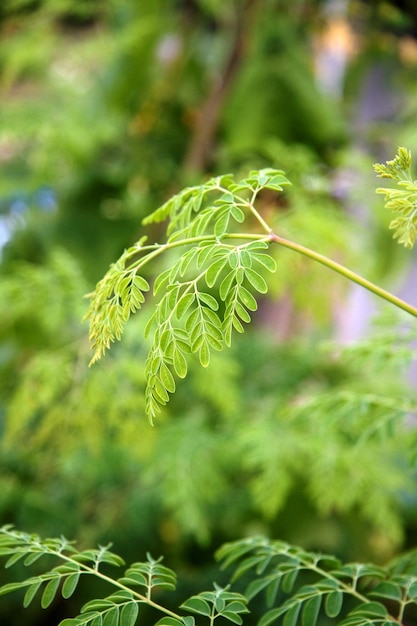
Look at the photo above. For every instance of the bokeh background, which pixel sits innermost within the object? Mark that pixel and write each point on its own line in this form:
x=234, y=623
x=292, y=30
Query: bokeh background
x=304, y=430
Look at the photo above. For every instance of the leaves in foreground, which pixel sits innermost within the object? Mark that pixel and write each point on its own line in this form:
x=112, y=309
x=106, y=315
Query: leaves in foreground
x=217, y=243
x=130, y=591
x=208, y=292
x=291, y=585
x=298, y=587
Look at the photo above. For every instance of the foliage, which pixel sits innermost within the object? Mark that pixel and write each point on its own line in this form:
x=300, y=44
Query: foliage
x=291, y=582
x=121, y=608
x=186, y=319
x=102, y=103
x=402, y=201
x=139, y=78
x=196, y=220
x=221, y=252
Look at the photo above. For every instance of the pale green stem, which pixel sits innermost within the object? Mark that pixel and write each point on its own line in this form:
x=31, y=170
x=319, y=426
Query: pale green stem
x=86, y=569
x=286, y=243
x=344, y=271
x=156, y=249
x=348, y=589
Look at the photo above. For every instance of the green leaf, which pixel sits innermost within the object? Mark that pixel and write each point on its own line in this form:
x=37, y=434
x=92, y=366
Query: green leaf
x=233, y=259
x=368, y=569
x=311, y=611
x=9, y=587
x=237, y=325
x=30, y=593
x=141, y=283
x=256, y=280
x=291, y=616
x=213, y=342
x=50, y=592
x=289, y=579
x=257, y=245
x=14, y=559
x=169, y=621
x=134, y=579
x=184, y=304
x=370, y=609
x=112, y=617
x=214, y=271
x=255, y=587
x=242, y=312
x=98, y=604
x=219, y=603
x=232, y=617
x=247, y=298
x=220, y=227
x=180, y=364
x=226, y=284
x=412, y=590
x=160, y=391
x=129, y=614
x=272, y=590
x=265, y=260
x=167, y=378
x=270, y=617
x=161, y=281
x=197, y=605
x=237, y=214
x=388, y=591
x=333, y=603
x=186, y=261
x=207, y=299
x=204, y=354
x=69, y=585
x=32, y=558
x=207, y=250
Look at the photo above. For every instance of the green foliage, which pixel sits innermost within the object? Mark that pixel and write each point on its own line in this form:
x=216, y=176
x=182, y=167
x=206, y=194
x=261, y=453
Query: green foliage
x=286, y=584
x=95, y=107
x=222, y=253
x=188, y=319
x=352, y=594
x=402, y=201
x=135, y=588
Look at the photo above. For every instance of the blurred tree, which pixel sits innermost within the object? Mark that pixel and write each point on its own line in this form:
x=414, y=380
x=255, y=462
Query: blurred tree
x=108, y=107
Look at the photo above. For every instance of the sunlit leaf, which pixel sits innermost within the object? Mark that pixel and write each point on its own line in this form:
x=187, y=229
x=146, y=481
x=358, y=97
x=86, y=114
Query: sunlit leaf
x=333, y=603
x=197, y=605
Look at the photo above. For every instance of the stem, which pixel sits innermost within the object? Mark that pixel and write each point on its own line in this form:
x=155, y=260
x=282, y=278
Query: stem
x=156, y=249
x=250, y=204
x=344, y=271
x=86, y=569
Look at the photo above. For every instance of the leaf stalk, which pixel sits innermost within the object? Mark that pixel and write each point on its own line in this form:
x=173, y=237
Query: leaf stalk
x=344, y=271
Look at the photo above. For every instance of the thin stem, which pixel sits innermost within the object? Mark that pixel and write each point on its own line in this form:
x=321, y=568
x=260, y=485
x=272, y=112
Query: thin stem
x=156, y=249
x=349, y=589
x=254, y=211
x=96, y=572
x=344, y=271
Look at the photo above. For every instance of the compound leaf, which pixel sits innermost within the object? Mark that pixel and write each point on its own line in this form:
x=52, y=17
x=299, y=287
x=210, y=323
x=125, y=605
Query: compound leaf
x=129, y=614
x=49, y=592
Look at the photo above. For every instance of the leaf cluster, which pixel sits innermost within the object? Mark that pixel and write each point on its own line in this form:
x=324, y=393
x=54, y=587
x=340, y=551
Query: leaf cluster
x=206, y=294
x=135, y=588
x=291, y=585
x=402, y=201
x=349, y=594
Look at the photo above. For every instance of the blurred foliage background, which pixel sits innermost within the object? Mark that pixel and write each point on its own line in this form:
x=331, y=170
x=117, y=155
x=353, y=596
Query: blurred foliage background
x=107, y=108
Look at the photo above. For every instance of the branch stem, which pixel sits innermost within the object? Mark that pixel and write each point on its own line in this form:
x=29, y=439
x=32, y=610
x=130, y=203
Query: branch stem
x=86, y=569
x=344, y=271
